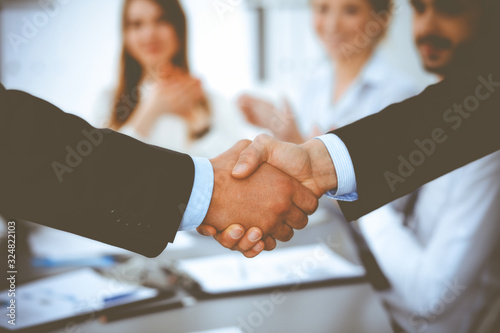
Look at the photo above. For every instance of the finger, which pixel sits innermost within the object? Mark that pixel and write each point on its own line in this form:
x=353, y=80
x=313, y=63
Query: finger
x=191, y=90
x=249, y=114
x=249, y=240
x=288, y=108
x=255, y=251
x=283, y=233
x=270, y=243
x=165, y=70
x=230, y=236
x=252, y=157
x=296, y=218
x=304, y=199
x=245, y=99
x=206, y=230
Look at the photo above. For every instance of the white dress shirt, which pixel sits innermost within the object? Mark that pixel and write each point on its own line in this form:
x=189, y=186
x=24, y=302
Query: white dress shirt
x=443, y=266
x=378, y=85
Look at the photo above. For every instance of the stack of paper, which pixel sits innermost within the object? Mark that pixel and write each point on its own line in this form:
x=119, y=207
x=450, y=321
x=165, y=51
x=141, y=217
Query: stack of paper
x=290, y=266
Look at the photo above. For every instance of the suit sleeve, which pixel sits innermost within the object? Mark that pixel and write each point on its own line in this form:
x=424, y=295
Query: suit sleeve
x=411, y=143
x=58, y=171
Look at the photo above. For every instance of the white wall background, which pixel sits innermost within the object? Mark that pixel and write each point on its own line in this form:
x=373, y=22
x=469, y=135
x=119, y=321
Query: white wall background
x=72, y=54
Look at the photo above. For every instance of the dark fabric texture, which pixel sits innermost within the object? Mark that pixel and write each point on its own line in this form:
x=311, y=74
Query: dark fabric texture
x=58, y=171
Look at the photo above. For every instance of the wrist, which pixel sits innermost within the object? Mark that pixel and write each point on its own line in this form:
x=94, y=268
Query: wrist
x=215, y=214
x=322, y=167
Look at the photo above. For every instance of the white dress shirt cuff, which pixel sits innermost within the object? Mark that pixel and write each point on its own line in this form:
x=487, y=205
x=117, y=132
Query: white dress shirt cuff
x=201, y=195
x=346, y=189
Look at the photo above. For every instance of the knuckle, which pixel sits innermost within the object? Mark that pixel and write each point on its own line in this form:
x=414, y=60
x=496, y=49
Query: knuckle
x=245, y=142
x=315, y=205
x=288, y=236
x=227, y=241
x=271, y=246
x=288, y=185
x=282, y=206
x=262, y=138
x=302, y=222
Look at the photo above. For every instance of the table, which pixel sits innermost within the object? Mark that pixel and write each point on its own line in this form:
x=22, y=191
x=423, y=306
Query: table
x=353, y=308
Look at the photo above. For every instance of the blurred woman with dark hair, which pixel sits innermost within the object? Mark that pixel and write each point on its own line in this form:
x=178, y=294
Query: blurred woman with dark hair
x=158, y=100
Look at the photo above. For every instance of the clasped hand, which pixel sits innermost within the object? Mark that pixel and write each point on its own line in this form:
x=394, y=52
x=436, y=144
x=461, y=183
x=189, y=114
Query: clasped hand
x=264, y=190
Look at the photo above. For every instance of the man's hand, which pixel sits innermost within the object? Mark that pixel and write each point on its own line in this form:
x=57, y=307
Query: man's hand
x=234, y=237
x=309, y=163
x=269, y=200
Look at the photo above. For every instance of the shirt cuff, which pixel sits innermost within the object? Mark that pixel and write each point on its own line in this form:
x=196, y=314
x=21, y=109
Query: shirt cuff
x=201, y=195
x=346, y=189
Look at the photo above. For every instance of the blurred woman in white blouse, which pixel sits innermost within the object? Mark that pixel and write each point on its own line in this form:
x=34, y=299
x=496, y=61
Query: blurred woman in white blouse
x=354, y=82
x=157, y=99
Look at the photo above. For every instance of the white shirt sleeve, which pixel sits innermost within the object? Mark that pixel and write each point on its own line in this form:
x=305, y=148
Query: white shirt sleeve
x=201, y=194
x=346, y=189
x=457, y=245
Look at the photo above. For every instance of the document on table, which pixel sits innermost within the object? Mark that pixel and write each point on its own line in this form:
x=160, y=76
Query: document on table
x=223, y=330
x=233, y=272
x=46, y=243
x=67, y=295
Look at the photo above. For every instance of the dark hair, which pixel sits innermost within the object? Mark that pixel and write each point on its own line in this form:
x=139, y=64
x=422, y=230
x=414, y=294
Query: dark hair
x=485, y=45
x=381, y=5
x=128, y=95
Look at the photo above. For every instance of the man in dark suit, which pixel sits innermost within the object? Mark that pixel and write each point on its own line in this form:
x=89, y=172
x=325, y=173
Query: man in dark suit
x=57, y=170
x=388, y=155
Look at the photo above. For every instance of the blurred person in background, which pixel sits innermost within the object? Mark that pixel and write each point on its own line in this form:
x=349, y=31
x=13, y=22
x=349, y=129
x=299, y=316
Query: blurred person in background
x=439, y=246
x=355, y=82
x=157, y=100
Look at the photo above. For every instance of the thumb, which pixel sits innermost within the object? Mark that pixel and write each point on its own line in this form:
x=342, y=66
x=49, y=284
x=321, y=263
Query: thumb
x=253, y=156
x=248, y=162
x=206, y=230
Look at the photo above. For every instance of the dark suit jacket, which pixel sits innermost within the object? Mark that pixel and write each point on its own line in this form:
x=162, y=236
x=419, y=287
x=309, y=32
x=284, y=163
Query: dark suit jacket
x=57, y=170
x=392, y=151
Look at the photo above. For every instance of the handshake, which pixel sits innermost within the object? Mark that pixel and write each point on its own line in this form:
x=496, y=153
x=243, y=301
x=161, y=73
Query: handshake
x=265, y=189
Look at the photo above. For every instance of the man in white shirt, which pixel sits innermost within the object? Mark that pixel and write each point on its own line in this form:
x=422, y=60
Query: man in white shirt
x=437, y=246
